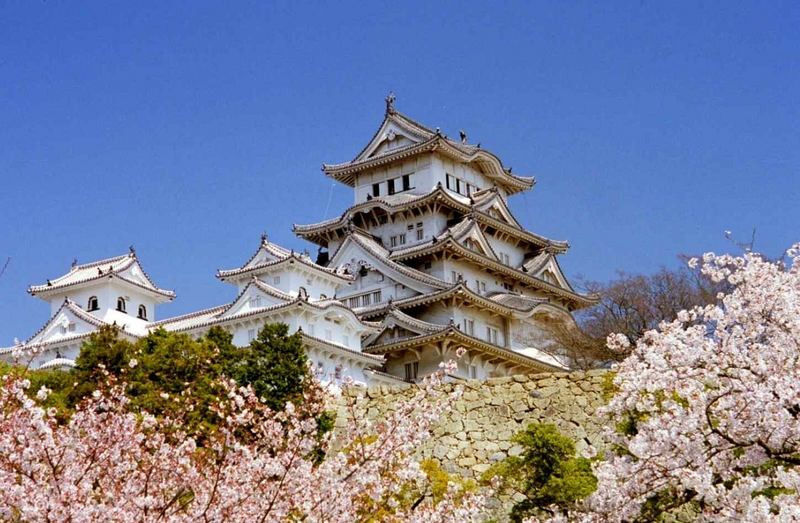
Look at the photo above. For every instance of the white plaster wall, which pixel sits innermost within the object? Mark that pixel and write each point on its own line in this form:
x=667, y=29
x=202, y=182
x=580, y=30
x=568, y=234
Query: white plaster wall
x=107, y=292
x=418, y=167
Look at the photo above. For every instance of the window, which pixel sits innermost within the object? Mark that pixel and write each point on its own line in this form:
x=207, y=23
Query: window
x=420, y=231
x=504, y=258
x=365, y=300
x=403, y=239
x=470, y=188
x=390, y=185
x=410, y=227
x=406, y=182
x=412, y=370
x=142, y=314
x=276, y=280
x=491, y=334
x=451, y=182
x=473, y=372
x=93, y=304
x=337, y=372
x=255, y=302
x=428, y=265
x=353, y=303
x=376, y=189
x=251, y=334
x=393, y=241
x=469, y=327
x=121, y=304
x=376, y=297
x=508, y=286
x=459, y=185
x=453, y=276
x=483, y=286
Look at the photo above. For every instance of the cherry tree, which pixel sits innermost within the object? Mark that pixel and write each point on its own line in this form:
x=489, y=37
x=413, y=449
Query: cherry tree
x=110, y=464
x=706, y=417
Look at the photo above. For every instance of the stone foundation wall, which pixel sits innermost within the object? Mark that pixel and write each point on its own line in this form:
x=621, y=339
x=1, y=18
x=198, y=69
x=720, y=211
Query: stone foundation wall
x=478, y=431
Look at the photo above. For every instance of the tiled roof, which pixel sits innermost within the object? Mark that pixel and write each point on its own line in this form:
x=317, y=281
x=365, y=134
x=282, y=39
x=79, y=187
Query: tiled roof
x=472, y=342
x=75, y=309
x=283, y=256
x=371, y=358
x=503, y=303
x=400, y=202
x=447, y=242
x=215, y=316
x=382, y=255
x=344, y=172
x=109, y=267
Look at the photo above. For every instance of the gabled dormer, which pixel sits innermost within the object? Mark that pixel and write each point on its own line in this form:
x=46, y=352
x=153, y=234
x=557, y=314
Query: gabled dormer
x=286, y=271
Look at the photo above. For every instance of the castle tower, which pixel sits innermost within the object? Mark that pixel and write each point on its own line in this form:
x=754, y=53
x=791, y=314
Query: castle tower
x=439, y=259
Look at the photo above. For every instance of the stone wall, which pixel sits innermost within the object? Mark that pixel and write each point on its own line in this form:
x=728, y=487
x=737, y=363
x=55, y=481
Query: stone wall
x=479, y=429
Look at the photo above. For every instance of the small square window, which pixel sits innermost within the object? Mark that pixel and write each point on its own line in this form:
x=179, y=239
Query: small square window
x=402, y=239
x=390, y=186
x=376, y=189
x=406, y=182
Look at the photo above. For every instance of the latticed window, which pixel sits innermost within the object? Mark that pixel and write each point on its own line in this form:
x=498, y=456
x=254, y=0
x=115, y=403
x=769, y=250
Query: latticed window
x=142, y=313
x=121, y=304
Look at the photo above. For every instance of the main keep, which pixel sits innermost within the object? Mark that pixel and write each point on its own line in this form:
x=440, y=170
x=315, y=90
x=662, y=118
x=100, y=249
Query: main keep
x=428, y=260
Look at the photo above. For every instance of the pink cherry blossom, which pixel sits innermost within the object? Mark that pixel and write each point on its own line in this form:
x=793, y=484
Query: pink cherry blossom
x=108, y=464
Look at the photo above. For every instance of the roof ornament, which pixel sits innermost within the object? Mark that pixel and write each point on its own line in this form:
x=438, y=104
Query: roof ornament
x=132, y=249
x=478, y=145
x=390, y=98
x=463, y=135
x=264, y=237
x=74, y=262
x=510, y=169
x=438, y=132
x=302, y=293
x=49, y=283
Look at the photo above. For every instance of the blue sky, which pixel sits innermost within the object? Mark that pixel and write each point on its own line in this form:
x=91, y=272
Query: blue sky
x=187, y=129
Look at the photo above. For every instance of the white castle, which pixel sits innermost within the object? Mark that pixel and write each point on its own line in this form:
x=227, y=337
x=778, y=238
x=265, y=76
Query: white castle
x=428, y=260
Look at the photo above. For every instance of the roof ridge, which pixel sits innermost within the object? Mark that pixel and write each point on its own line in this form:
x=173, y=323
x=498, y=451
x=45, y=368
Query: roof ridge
x=112, y=259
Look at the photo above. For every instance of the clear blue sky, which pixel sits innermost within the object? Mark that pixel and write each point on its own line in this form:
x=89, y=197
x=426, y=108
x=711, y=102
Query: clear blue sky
x=187, y=129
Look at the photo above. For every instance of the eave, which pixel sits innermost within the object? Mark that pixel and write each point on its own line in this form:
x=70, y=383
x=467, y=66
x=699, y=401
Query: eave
x=323, y=232
x=452, y=333
x=489, y=163
x=261, y=268
x=453, y=247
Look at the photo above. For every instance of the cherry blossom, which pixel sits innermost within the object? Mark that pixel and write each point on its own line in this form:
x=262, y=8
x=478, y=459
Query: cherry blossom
x=706, y=417
x=109, y=464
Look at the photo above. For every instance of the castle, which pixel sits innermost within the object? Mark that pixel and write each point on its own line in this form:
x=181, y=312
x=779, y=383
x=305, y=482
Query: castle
x=428, y=260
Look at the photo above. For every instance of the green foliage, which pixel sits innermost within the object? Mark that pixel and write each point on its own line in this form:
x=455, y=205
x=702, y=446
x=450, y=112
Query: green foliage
x=546, y=473
x=172, y=374
x=275, y=364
